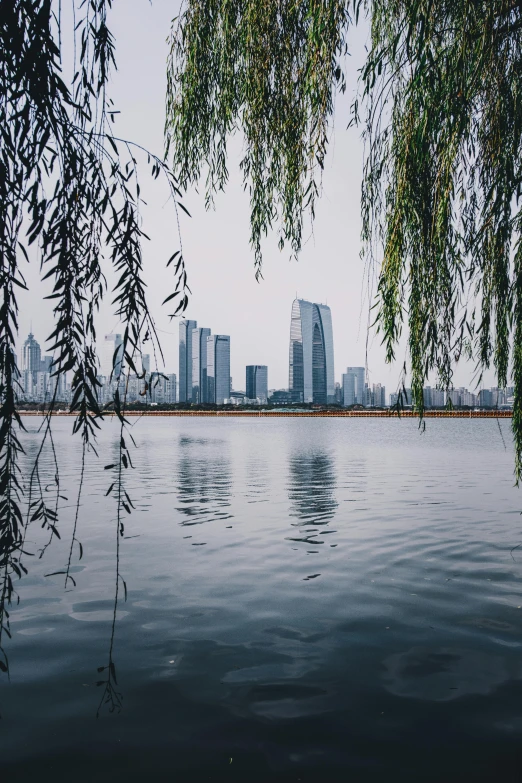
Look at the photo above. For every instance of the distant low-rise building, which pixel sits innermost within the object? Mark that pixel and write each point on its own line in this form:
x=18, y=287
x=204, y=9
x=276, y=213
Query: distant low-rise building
x=280, y=397
x=404, y=394
x=163, y=389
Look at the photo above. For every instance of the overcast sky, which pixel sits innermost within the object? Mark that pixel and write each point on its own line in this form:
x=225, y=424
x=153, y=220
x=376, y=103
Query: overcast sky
x=225, y=294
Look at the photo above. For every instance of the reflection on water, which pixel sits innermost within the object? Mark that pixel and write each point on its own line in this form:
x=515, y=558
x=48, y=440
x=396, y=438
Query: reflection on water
x=312, y=483
x=256, y=480
x=204, y=481
x=392, y=653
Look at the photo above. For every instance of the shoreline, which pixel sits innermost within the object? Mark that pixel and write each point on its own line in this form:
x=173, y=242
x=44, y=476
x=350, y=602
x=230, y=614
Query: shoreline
x=385, y=414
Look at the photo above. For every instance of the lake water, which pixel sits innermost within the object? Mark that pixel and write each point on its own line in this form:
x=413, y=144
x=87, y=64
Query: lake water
x=308, y=600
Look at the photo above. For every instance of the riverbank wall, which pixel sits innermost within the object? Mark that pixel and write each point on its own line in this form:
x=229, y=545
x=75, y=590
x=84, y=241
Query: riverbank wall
x=385, y=414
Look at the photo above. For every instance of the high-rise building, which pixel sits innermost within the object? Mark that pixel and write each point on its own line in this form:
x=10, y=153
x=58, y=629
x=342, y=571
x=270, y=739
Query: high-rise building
x=378, y=396
x=354, y=386
x=311, y=360
x=257, y=382
x=163, y=389
x=218, y=368
x=454, y=396
x=31, y=357
x=498, y=397
x=185, y=359
x=485, y=398
x=145, y=363
x=467, y=398
x=112, y=356
x=46, y=364
x=437, y=398
x=199, y=364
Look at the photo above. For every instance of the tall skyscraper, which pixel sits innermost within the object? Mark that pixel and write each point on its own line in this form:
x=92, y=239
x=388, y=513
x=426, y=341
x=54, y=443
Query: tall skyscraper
x=112, y=356
x=311, y=376
x=218, y=368
x=31, y=357
x=437, y=398
x=185, y=359
x=354, y=386
x=257, y=382
x=199, y=364
x=378, y=396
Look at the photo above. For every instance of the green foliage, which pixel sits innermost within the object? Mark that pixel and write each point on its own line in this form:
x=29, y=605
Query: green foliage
x=442, y=184
x=69, y=187
x=269, y=68
x=441, y=102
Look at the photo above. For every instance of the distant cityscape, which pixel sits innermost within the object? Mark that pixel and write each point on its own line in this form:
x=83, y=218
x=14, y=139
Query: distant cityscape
x=204, y=374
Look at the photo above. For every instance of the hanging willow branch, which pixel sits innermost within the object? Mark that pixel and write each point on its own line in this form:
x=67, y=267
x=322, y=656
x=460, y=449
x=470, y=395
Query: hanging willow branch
x=269, y=68
x=69, y=187
x=442, y=181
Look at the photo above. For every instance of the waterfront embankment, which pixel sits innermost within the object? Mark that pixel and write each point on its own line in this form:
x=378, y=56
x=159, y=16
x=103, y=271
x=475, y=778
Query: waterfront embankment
x=383, y=414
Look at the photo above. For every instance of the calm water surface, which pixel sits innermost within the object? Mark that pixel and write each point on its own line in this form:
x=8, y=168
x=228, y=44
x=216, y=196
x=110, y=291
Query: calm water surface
x=307, y=600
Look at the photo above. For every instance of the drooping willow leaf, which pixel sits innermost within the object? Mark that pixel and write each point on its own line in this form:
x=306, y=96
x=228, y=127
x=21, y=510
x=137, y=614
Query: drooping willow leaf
x=441, y=191
x=69, y=187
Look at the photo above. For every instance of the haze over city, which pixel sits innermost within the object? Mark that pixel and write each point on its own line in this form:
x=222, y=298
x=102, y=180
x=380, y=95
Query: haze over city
x=216, y=247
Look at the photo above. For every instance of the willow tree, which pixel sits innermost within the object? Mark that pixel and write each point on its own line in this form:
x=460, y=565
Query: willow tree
x=440, y=103
x=69, y=203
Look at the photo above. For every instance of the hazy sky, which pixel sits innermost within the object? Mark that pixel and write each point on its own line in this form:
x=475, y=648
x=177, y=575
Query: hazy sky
x=225, y=294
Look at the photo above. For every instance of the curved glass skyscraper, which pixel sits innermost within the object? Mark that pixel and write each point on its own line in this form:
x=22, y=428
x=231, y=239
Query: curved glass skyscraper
x=311, y=377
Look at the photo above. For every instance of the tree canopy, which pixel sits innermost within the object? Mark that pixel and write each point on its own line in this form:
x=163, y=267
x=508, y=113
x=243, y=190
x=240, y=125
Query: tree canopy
x=440, y=106
x=69, y=187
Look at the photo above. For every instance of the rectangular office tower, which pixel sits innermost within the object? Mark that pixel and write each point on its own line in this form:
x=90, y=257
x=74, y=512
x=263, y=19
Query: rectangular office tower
x=199, y=364
x=354, y=386
x=257, y=382
x=218, y=368
x=185, y=359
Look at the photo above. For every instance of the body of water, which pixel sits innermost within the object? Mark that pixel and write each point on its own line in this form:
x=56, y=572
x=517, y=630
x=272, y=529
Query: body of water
x=307, y=600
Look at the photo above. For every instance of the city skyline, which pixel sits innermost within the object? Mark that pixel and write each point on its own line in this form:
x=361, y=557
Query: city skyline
x=37, y=382
x=220, y=265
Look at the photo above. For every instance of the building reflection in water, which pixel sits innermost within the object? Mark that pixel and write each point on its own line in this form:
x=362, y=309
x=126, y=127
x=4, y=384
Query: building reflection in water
x=312, y=485
x=204, y=481
x=256, y=480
